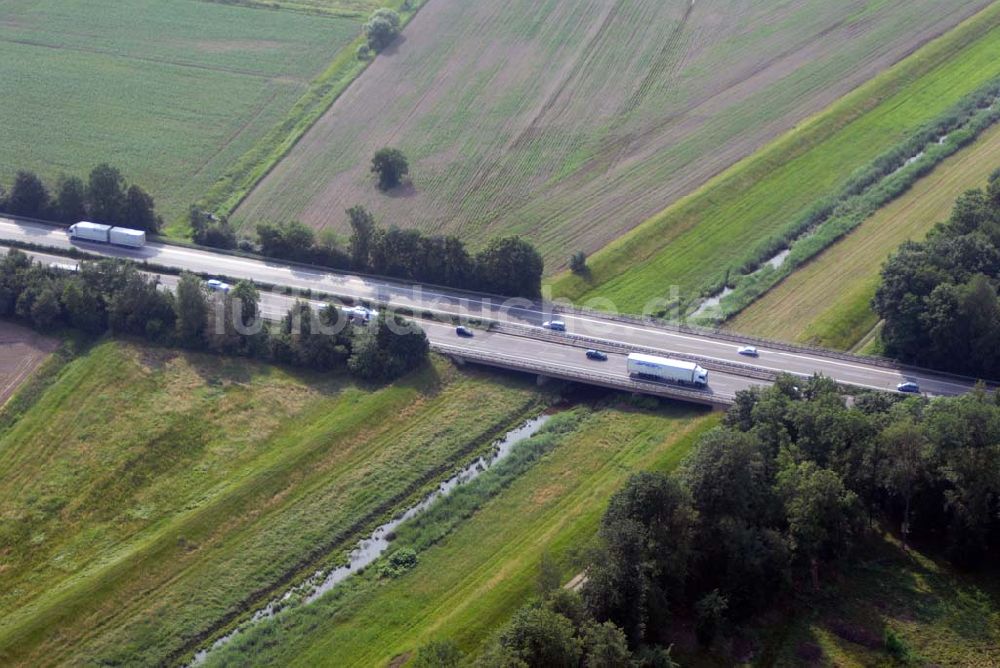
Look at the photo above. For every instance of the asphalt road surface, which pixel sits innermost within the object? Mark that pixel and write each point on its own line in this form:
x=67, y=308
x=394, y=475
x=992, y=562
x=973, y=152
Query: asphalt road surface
x=594, y=326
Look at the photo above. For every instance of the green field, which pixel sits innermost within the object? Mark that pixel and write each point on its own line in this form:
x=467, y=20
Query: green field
x=469, y=583
x=571, y=122
x=147, y=496
x=173, y=92
x=828, y=300
x=697, y=242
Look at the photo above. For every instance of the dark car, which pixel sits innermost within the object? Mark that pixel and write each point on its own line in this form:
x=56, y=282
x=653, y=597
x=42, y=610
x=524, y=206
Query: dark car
x=463, y=331
x=910, y=387
x=597, y=355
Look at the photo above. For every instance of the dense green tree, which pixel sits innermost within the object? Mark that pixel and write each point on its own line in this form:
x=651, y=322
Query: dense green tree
x=541, y=638
x=191, y=305
x=510, y=266
x=106, y=199
x=85, y=309
x=387, y=348
x=363, y=231
x=139, y=212
x=710, y=611
x=382, y=28
x=71, y=200
x=822, y=515
x=605, y=646
x=390, y=166
x=28, y=197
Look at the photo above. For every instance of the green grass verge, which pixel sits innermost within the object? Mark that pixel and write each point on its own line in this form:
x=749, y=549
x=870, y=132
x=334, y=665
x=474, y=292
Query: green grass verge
x=828, y=300
x=471, y=579
x=696, y=243
x=149, y=498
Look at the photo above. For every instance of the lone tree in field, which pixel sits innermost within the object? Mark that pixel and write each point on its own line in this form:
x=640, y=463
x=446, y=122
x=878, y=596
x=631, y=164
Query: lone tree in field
x=578, y=263
x=391, y=166
x=382, y=28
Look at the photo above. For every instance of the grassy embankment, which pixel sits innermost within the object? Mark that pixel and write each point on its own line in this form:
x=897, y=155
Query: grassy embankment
x=696, y=243
x=470, y=581
x=828, y=300
x=940, y=616
x=172, y=92
x=148, y=496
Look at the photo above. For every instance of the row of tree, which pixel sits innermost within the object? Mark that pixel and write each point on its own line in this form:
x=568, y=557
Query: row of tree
x=938, y=298
x=507, y=265
x=113, y=296
x=787, y=486
x=106, y=197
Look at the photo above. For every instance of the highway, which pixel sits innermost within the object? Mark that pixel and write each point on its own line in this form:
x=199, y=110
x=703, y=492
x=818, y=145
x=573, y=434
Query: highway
x=522, y=318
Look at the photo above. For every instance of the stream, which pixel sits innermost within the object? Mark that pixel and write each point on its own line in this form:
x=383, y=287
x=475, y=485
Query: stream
x=374, y=546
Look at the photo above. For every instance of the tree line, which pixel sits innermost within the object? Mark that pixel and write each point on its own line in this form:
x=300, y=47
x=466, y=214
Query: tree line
x=112, y=296
x=507, y=265
x=774, y=500
x=106, y=197
x=938, y=297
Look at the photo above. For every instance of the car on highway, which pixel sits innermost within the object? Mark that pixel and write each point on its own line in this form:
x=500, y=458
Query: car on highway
x=909, y=387
x=217, y=285
x=749, y=351
x=555, y=325
x=462, y=330
x=597, y=355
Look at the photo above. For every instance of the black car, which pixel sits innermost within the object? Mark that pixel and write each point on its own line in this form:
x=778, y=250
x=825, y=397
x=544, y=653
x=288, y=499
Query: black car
x=597, y=355
x=463, y=331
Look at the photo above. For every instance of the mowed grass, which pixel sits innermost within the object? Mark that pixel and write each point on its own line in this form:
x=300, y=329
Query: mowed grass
x=468, y=584
x=170, y=91
x=828, y=300
x=147, y=496
x=696, y=242
x=572, y=121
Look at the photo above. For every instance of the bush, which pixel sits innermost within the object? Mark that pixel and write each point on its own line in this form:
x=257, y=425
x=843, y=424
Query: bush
x=398, y=563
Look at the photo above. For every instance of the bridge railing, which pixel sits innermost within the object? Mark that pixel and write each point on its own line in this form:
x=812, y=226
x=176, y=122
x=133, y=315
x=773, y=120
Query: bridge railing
x=583, y=341
x=626, y=383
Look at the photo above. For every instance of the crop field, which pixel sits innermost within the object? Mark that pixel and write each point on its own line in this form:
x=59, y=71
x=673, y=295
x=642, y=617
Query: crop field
x=21, y=352
x=696, y=243
x=469, y=583
x=573, y=122
x=170, y=91
x=828, y=301
x=148, y=496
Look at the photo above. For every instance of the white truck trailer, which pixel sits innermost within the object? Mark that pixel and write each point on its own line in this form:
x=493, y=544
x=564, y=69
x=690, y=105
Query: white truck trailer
x=663, y=369
x=123, y=236
x=106, y=234
x=89, y=231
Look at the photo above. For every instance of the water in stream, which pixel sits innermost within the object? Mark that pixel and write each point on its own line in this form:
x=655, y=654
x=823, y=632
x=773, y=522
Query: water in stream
x=372, y=547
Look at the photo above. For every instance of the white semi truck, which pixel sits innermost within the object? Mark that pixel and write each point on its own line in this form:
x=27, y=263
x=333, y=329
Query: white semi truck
x=663, y=369
x=106, y=234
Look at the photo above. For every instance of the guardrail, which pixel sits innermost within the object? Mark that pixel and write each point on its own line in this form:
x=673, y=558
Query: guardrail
x=606, y=345
x=625, y=383
x=546, y=307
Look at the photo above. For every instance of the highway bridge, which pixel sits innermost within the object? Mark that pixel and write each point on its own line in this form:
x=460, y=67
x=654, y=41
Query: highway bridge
x=514, y=338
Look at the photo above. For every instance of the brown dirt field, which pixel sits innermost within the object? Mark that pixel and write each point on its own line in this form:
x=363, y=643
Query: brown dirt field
x=21, y=351
x=572, y=121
